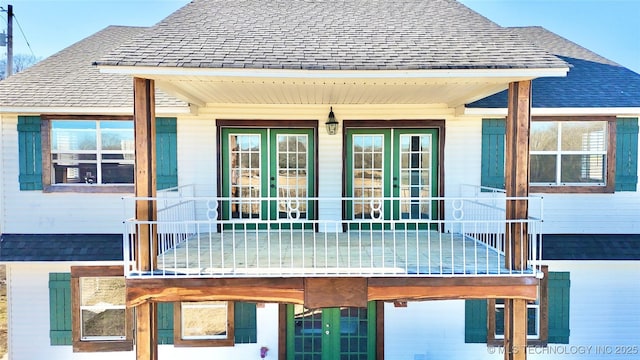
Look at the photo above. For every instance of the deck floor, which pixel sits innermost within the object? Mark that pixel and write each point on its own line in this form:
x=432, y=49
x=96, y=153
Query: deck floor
x=307, y=253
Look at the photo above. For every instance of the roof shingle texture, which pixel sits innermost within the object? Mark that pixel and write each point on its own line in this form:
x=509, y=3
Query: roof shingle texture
x=329, y=35
x=61, y=247
x=69, y=79
x=592, y=81
x=591, y=247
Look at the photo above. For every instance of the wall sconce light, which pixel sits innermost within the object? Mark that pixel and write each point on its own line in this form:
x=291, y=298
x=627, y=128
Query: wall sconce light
x=332, y=123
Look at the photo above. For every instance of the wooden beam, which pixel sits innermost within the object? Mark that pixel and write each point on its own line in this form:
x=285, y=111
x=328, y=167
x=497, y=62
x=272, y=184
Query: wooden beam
x=517, y=173
x=280, y=290
x=515, y=329
x=517, y=185
x=292, y=290
x=147, y=331
x=145, y=167
x=335, y=292
x=145, y=186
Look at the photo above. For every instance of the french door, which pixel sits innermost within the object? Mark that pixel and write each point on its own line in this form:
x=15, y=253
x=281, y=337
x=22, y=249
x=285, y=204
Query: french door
x=267, y=174
x=344, y=333
x=382, y=164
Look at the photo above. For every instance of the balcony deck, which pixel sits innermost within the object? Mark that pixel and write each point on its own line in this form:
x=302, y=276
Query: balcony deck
x=192, y=241
x=353, y=253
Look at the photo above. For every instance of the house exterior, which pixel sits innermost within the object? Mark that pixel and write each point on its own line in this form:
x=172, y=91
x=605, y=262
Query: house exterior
x=271, y=180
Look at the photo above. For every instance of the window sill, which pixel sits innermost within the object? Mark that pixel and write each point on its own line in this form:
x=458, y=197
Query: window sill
x=102, y=346
x=609, y=189
x=89, y=189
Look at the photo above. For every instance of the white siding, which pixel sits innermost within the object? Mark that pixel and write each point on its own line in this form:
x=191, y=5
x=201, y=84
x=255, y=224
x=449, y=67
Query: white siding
x=197, y=154
x=28, y=313
x=462, y=154
x=592, y=213
x=37, y=212
x=604, y=314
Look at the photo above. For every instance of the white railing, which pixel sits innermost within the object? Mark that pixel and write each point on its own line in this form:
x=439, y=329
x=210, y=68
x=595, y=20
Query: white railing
x=199, y=237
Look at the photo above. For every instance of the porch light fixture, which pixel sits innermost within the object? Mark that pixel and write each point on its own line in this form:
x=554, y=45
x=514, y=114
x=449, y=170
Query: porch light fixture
x=332, y=123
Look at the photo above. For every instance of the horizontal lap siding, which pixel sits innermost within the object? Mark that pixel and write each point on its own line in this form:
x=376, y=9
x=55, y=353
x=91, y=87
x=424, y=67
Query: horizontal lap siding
x=28, y=287
x=37, y=212
x=330, y=173
x=604, y=303
x=603, y=310
x=592, y=213
x=462, y=154
x=197, y=160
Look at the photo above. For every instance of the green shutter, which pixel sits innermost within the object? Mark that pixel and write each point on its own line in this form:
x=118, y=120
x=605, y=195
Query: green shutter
x=475, y=321
x=626, y=154
x=559, y=286
x=165, y=323
x=245, y=323
x=29, y=153
x=166, y=153
x=493, y=134
x=60, y=308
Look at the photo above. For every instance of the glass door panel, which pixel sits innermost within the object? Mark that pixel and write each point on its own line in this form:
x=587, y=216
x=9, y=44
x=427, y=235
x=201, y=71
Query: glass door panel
x=415, y=176
x=246, y=175
x=399, y=163
x=267, y=174
x=368, y=173
x=292, y=182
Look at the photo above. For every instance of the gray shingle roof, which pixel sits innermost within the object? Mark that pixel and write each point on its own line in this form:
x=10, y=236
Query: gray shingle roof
x=68, y=78
x=61, y=247
x=330, y=35
x=592, y=81
x=591, y=247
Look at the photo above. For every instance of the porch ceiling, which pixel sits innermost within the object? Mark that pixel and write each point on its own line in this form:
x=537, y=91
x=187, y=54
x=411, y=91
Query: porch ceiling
x=451, y=92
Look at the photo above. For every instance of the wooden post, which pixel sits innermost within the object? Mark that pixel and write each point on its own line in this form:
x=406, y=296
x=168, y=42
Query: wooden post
x=145, y=186
x=516, y=235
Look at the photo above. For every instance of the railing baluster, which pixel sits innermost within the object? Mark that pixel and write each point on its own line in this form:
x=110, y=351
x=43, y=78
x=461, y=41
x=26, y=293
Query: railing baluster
x=470, y=241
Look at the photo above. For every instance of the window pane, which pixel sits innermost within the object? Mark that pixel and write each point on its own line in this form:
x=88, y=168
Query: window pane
x=583, y=136
x=204, y=320
x=532, y=321
x=543, y=168
x=544, y=136
x=73, y=135
x=103, y=323
x=117, y=173
x=102, y=307
x=117, y=135
x=102, y=290
x=583, y=168
x=499, y=321
x=74, y=172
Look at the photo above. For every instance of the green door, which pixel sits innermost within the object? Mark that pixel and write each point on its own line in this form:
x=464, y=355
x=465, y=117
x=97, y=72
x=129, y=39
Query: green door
x=329, y=334
x=399, y=163
x=267, y=174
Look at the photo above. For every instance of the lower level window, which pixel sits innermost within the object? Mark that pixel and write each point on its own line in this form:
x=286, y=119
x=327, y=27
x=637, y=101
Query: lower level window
x=204, y=323
x=533, y=319
x=100, y=318
x=102, y=308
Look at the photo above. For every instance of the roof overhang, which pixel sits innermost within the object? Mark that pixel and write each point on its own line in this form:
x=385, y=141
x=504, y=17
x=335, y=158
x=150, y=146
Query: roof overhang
x=115, y=111
x=451, y=87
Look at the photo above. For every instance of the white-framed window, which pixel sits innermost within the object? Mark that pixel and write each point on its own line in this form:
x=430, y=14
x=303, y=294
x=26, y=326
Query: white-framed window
x=102, y=309
x=204, y=323
x=100, y=318
x=533, y=320
x=92, y=152
x=569, y=153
